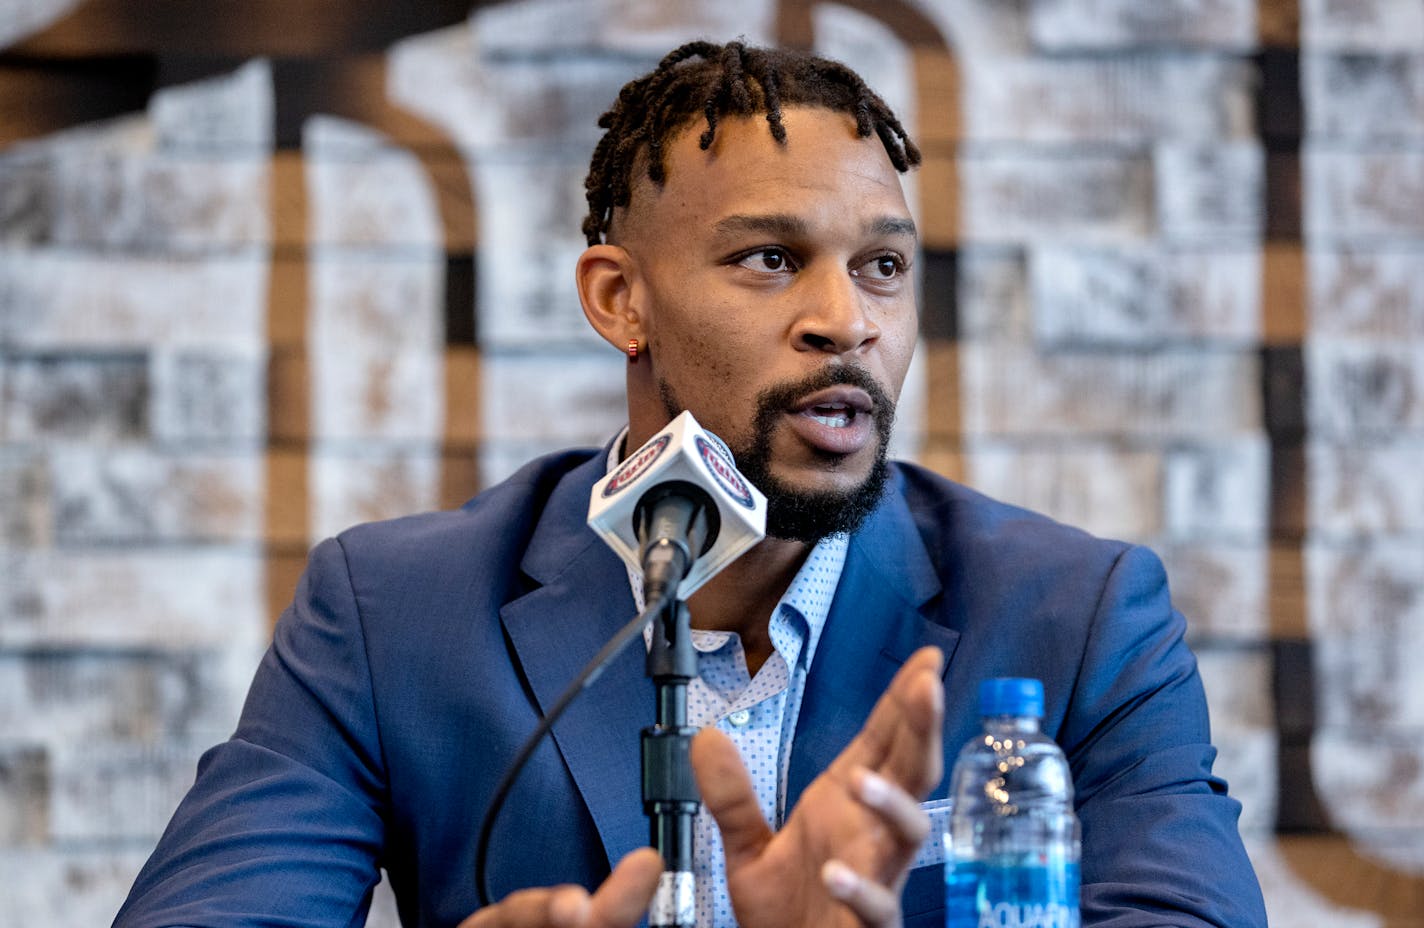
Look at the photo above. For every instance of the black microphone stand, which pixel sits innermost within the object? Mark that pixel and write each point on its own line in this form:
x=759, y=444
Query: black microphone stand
x=670, y=796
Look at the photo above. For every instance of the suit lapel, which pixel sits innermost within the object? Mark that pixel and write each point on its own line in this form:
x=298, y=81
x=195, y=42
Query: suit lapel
x=882, y=613
x=582, y=600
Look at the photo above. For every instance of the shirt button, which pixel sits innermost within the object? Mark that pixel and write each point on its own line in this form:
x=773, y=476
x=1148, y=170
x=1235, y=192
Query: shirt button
x=740, y=717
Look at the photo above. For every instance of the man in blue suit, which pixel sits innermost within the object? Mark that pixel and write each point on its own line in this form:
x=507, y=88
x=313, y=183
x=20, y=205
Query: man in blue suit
x=751, y=250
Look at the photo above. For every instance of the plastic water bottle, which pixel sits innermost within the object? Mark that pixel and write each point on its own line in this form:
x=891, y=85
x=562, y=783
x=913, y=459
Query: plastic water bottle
x=1013, y=841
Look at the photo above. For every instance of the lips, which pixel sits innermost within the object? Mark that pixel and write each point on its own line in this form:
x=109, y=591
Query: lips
x=837, y=420
x=838, y=402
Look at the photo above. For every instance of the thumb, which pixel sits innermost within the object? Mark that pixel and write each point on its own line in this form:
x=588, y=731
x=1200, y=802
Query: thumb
x=728, y=795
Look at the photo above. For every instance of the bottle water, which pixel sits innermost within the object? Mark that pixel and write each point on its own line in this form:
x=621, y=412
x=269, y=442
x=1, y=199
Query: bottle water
x=1013, y=839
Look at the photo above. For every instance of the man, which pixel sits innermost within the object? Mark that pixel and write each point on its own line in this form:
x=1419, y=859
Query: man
x=751, y=250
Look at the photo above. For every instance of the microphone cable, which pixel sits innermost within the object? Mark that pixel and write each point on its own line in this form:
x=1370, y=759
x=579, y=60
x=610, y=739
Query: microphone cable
x=585, y=678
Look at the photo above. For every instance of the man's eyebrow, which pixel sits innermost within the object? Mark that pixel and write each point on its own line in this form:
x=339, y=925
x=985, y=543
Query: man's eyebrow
x=894, y=225
x=786, y=225
x=776, y=224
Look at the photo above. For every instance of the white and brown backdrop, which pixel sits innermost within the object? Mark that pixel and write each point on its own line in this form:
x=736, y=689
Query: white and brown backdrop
x=272, y=267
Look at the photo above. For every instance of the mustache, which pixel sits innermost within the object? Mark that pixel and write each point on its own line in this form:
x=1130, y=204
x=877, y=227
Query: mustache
x=777, y=398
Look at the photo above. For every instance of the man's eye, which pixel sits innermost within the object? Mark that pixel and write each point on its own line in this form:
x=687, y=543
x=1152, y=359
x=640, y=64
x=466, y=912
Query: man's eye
x=766, y=259
x=883, y=267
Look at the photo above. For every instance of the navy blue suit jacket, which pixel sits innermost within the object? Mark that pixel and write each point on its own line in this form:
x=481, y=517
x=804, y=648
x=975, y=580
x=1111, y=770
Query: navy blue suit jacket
x=419, y=654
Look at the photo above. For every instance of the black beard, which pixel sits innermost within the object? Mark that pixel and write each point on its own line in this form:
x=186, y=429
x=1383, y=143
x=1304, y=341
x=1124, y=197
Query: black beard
x=809, y=515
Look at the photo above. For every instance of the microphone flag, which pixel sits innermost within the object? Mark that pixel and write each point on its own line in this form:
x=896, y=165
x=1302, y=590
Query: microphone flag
x=682, y=451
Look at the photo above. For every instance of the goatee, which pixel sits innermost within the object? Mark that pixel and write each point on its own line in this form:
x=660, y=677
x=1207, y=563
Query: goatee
x=797, y=514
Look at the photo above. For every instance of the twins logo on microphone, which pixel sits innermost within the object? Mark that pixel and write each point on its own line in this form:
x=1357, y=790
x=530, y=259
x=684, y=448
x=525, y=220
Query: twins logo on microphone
x=723, y=472
x=635, y=466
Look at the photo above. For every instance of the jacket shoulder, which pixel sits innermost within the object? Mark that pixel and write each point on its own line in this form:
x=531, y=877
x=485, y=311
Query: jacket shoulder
x=950, y=514
x=492, y=527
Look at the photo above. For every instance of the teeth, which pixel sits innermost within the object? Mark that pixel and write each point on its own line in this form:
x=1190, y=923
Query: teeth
x=840, y=417
x=831, y=415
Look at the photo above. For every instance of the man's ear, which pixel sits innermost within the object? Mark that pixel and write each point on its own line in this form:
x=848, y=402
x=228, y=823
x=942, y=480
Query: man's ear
x=608, y=289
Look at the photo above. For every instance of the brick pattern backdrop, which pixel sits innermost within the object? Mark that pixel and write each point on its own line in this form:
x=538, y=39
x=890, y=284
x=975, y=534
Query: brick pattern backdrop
x=269, y=268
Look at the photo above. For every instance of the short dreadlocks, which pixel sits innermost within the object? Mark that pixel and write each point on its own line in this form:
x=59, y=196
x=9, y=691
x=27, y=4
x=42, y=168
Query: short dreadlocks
x=702, y=78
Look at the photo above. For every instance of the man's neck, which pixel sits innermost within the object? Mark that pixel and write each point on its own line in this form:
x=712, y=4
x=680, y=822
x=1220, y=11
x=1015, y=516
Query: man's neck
x=741, y=598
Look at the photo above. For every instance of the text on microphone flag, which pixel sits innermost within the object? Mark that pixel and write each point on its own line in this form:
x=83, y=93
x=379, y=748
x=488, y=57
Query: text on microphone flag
x=723, y=472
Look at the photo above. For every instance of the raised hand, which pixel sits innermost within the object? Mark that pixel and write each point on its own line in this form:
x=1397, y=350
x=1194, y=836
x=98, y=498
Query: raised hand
x=842, y=857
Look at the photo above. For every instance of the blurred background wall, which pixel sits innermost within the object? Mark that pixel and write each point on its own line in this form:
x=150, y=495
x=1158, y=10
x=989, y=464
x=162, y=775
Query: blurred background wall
x=271, y=267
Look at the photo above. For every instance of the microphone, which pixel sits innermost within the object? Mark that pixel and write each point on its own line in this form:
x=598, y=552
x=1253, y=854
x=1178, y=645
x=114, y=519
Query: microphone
x=676, y=510
x=677, y=522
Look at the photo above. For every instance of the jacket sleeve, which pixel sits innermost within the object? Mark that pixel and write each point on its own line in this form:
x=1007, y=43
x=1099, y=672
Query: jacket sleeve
x=284, y=823
x=1160, y=841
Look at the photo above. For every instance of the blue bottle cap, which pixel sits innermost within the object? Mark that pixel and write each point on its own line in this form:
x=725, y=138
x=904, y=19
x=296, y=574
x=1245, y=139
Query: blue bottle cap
x=1011, y=696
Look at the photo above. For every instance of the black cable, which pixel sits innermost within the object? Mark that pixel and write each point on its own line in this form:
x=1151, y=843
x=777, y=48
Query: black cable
x=585, y=678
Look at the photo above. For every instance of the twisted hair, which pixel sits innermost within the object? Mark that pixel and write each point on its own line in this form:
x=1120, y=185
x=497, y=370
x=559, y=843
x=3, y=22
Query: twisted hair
x=712, y=81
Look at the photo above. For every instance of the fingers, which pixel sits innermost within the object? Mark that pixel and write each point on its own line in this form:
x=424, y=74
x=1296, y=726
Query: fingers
x=906, y=822
x=545, y=907
x=728, y=795
x=623, y=898
x=872, y=903
x=902, y=737
x=619, y=903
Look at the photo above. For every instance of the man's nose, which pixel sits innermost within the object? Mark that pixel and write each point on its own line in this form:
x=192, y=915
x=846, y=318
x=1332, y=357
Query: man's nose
x=833, y=315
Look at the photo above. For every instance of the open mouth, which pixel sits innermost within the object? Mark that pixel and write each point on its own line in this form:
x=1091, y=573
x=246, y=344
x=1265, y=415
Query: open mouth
x=837, y=420
x=836, y=406
x=832, y=415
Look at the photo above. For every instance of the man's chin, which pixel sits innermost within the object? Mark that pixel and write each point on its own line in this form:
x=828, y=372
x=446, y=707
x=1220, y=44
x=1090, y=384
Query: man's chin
x=809, y=511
